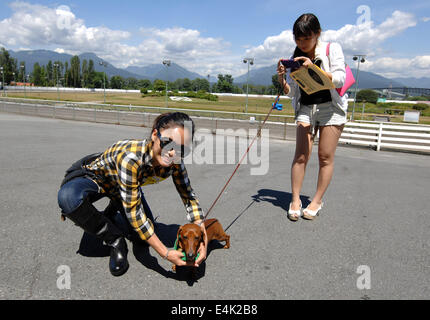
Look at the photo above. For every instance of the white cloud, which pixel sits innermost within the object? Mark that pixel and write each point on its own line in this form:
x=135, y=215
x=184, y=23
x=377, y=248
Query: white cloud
x=186, y=47
x=33, y=26
x=425, y=19
x=38, y=26
x=365, y=38
x=404, y=67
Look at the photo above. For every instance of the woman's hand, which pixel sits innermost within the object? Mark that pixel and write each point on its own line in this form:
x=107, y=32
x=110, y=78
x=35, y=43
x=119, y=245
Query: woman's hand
x=306, y=61
x=281, y=69
x=175, y=257
x=202, y=250
x=202, y=254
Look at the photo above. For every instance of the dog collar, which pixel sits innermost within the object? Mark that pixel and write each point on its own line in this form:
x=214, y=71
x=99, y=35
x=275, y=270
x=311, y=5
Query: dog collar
x=184, y=258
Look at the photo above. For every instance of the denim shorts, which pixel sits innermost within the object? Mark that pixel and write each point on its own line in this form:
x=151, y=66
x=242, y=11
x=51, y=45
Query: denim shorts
x=326, y=115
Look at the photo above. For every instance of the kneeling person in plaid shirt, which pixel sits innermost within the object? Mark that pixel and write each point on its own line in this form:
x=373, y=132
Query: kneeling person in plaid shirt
x=118, y=173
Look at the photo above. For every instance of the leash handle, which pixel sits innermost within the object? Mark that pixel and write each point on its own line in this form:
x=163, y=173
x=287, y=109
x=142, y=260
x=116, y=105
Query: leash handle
x=243, y=157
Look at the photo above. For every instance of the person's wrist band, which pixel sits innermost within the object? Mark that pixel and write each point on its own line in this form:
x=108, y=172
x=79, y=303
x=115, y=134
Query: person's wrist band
x=167, y=254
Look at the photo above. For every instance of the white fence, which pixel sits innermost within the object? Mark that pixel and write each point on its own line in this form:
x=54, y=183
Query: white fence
x=387, y=135
x=407, y=137
x=67, y=89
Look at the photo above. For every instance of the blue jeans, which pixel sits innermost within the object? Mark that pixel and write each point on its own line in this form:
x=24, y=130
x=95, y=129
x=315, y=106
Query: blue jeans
x=73, y=193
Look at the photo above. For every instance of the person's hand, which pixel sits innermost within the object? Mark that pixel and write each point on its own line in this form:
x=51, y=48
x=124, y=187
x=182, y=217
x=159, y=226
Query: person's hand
x=202, y=254
x=175, y=257
x=281, y=69
x=306, y=61
x=281, y=72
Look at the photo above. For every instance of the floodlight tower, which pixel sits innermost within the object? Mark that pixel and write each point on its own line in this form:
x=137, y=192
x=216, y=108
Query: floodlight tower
x=249, y=61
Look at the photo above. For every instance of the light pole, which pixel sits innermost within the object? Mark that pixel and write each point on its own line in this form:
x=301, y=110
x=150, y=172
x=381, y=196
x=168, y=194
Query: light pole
x=25, y=86
x=167, y=64
x=249, y=61
x=359, y=58
x=57, y=66
x=4, y=86
x=104, y=64
x=22, y=67
x=209, y=81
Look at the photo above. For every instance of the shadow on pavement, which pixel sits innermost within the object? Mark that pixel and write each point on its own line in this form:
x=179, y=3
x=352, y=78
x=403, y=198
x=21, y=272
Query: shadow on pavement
x=90, y=246
x=279, y=199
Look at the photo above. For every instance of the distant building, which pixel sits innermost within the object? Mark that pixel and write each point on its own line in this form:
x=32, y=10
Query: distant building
x=22, y=84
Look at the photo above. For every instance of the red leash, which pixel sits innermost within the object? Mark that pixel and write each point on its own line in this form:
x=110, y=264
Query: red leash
x=243, y=157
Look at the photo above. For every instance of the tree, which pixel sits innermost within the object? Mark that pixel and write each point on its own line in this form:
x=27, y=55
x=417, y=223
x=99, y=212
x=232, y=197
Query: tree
x=97, y=80
x=37, y=74
x=367, y=95
x=75, y=72
x=50, y=73
x=159, y=85
x=145, y=83
x=178, y=84
x=85, y=74
x=131, y=83
x=9, y=66
x=66, y=74
x=186, y=86
x=116, y=82
x=91, y=75
x=225, y=83
x=200, y=84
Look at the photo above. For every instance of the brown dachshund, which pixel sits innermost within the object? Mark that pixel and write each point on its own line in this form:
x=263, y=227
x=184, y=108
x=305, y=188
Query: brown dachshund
x=190, y=236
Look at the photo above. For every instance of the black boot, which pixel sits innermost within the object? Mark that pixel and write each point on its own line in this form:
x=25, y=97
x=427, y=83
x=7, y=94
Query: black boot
x=93, y=222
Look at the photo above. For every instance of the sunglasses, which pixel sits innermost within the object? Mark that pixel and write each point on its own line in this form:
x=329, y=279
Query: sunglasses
x=169, y=144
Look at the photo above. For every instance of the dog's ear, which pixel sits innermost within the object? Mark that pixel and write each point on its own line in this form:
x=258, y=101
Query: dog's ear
x=178, y=238
x=179, y=232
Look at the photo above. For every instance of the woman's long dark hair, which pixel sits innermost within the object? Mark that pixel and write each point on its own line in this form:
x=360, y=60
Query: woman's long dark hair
x=172, y=119
x=306, y=25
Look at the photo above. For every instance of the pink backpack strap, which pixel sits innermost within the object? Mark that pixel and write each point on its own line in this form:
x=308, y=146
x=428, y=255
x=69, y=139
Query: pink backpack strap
x=327, y=51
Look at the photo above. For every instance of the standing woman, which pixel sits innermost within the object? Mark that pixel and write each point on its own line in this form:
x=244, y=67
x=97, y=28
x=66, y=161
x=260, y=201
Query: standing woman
x=118, y=173
x=324, y=111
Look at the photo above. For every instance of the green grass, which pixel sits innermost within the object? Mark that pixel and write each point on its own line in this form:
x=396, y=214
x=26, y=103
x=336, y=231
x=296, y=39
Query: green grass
x=259, y=105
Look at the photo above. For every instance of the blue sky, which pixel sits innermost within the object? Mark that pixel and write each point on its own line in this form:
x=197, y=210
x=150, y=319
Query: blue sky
x=213, y=36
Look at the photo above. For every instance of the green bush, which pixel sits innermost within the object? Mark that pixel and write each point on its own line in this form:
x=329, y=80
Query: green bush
x=420, y=106
x=201, y=94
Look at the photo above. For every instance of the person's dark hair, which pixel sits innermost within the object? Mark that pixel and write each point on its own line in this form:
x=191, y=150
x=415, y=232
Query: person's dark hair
x=172, y=119
x=306, y=25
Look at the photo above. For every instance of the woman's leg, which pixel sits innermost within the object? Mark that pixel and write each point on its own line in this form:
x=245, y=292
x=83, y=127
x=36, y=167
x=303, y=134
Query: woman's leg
x=75, y=200
x=304, y=141
x=72, y=194
x=329, y=137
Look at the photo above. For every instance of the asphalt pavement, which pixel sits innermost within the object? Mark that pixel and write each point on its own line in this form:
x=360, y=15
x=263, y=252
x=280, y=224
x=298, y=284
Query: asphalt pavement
x=371, y=240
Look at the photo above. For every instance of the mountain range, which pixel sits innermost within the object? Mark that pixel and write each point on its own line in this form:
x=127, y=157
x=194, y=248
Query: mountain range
x=257, y=76
x=263, y=76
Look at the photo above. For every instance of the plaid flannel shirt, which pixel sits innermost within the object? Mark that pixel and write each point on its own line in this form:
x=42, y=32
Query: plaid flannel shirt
x=127, y=165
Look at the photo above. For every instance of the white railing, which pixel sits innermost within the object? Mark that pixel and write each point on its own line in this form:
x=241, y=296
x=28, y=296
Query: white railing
x=387, y=135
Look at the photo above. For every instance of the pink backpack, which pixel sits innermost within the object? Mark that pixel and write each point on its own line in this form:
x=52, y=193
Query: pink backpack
x=349, y=79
